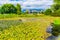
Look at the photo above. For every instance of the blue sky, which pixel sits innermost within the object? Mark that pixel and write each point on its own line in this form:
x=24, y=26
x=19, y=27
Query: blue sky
x=30, y=4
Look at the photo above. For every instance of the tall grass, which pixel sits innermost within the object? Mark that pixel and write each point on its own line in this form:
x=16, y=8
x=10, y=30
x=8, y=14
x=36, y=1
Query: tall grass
x=23, y=31
x=4, y=24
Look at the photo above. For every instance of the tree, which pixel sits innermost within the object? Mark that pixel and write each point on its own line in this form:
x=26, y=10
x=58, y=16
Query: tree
x=8, y=8
x=27, y=11
x=55, y=7
x=18, y=9
x=57, y=13
x=57, y=1
x=48, y=12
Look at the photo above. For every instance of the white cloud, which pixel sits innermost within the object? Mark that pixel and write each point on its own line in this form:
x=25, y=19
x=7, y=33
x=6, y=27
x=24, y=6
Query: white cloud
x=30, y=3
x=37, y=4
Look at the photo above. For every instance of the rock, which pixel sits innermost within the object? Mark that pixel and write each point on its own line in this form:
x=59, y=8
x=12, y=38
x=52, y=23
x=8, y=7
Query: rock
x=20, y=19
x=49, y=29
x=51, y=37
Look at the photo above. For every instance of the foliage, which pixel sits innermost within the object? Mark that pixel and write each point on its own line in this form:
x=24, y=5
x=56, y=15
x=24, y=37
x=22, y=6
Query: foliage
x=54, y=10
x=57, y=21
x=55, y=7
x=56, y=13
x=26, y=12
x=56, y=28
x=8, y=8
x=18, y=9
x=48, y=12
x=57, y=1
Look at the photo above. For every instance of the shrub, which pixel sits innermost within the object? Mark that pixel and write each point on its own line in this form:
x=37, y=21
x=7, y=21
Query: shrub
x=48, y=12
x=56, y=28
x=56, y=13
x=27, y=12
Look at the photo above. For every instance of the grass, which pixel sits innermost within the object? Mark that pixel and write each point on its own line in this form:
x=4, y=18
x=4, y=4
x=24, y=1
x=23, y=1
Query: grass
x=8, y=16
x=32, y=28
x=24, y=31
x=57, y=21
x=4, y=16
x=4, y=24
